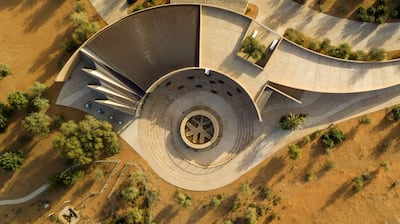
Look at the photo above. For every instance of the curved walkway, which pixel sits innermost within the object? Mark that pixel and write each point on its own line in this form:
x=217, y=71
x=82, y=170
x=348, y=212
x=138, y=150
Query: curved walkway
x=282, y=14
x=26, y=198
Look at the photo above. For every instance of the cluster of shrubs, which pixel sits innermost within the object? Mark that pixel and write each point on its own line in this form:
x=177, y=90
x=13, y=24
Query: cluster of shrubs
x=377, y=13
x=332, y=138
x=342, y=51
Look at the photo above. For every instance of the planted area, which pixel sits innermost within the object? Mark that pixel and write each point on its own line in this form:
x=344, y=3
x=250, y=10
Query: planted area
x=343, y=51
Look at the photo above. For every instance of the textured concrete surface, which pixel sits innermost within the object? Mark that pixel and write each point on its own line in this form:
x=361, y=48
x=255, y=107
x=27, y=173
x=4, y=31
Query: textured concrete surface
x=282, y=14
x=234, y=5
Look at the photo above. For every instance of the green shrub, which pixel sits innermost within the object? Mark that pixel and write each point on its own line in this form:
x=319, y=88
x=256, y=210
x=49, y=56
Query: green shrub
x=11, y=160
x=235, y=205
x=18, y=100
x=358, y=55
x=251, y=215
x=245, y=189
x=326, y=45
x=4, y=70
x=295, y=36
x=265, y=191
x=294, y=152
x=216, y=200
x=79, y=7
x=358, y=183
x=129, y=193
x=37, y=89
x=252, y=48
x=37, y=124
x=309, y=177
x=343, y=51
x=394, y=113
x=292, y=121
x=333, y=137
x=183, y=199
x=3, y=123
x=314, y=45
x=365, y=120
x=134, y=216
x=67, y=178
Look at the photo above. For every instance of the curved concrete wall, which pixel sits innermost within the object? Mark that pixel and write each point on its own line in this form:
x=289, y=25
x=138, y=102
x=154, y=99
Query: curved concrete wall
x=149, y=44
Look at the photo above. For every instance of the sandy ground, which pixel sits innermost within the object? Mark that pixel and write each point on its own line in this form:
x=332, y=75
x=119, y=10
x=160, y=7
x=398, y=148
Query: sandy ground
x=31, y=47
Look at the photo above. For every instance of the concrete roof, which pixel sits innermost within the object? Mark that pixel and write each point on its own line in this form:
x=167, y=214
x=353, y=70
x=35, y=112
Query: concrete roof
x=234, y=5
x=299, y=68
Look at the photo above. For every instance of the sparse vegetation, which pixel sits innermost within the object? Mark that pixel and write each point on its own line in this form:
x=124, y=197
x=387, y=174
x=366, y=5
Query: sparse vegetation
x=343, y=51
x=216, y=200
x=365, y=120
x=377, y=13
x=129, y=193
x=251, y=215
x=245, y=189
x=67, y=178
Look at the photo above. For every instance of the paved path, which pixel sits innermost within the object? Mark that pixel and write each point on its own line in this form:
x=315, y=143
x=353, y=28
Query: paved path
x=282, y=14
x=26, y=198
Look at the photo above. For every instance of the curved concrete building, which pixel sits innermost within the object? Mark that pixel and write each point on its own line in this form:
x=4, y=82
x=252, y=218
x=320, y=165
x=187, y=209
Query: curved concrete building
x=174, y=84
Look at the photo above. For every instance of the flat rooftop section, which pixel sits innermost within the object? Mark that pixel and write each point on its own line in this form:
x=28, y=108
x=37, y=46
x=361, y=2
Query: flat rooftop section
x=234, y=5
x=222, y=33
x=298, y=68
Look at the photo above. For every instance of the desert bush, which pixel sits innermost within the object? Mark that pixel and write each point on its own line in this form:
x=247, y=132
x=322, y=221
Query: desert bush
x=265, y=191
x=377, y=54
x=326, y=45
x=3, y=123
x=292, y=121
x=67, y=178
x=235, y=204
x=183, y=200
x=385, y=165
x=343, y=51
x=251, y=215
x=394, y=114
x=129, y=193
x=333, y=137
x=314, y=45
x=134, y=216
x=216, y=200
x=358, y=55
x=294, y=152
x=309, y=177
x=358, y=183
x=12, y=160
x=37, y=89
x=79, y=7
x=295, y=36
x=37, y=124
x=365, y=120
x=18, y=100
x=5, y=70
x=40, y=104
x=329, y=165
x=245, y=189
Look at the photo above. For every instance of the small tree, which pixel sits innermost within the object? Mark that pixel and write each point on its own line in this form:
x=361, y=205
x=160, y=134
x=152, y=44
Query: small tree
x=183, y=199
x=333, y=137
x=67, y=178
x=4, y=70
x=40, y=104
x=292, y=121
x=37, y=124
x=37, y=89
x=294, y=152
x=135, y=216
x=252, y=48
x=251, y=215
x=18, y=100
x=129, y=193
x=11, y=160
